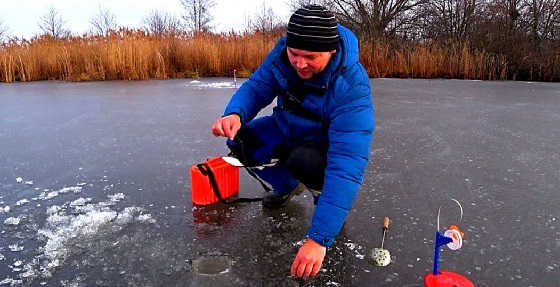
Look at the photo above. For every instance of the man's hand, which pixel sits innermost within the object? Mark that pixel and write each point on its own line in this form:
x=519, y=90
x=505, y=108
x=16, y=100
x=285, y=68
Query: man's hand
x=308, y=259
x=227, y=126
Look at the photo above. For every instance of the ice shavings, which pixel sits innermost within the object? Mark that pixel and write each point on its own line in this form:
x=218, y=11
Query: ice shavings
x=298, y=243
x=53, y=194
x=80, y=202
x=11, y=282
x=77, y=222
x=146, y=218
x=127, y=216
x=12, y=221
x=15, y=247
x=19, y=180
x=62, y=228
x=53, y=209
x=17, y=266
x=116, y=197
x=22, y=202
x=68, y=228
x=355, y=248
x=4, y=209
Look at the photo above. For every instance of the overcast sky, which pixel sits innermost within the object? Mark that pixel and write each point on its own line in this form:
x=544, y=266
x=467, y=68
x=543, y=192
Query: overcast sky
x=22, y=16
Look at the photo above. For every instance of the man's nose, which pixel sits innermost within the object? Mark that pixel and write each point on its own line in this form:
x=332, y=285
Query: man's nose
x=301, y=63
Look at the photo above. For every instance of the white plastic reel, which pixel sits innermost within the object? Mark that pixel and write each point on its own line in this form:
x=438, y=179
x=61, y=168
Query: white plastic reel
x=457, y=239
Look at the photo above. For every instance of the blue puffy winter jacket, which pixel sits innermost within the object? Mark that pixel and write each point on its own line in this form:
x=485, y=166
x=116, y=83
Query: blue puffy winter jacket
x=341, y=97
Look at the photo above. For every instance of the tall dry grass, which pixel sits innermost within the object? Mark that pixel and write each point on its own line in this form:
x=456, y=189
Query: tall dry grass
x=132, y=55
x=135, y=55
x=431, y=60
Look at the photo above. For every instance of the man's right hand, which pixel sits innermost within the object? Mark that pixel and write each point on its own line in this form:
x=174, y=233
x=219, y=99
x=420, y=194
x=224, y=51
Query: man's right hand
x=227, y=126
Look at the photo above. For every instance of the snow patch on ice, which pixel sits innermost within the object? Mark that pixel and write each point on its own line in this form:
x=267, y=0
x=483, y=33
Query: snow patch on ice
x=4, y=209
x=19, y=180
x=217, y=85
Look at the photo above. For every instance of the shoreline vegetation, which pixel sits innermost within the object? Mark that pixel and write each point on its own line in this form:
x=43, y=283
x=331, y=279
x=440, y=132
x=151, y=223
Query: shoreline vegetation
x=136, y=55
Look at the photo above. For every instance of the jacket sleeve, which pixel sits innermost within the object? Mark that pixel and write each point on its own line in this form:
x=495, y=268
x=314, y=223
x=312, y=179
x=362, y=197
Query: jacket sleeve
x=350, y=133
x=257, y=92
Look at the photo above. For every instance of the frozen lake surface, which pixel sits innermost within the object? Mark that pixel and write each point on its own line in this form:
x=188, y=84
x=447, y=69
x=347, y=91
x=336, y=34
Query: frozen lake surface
x=94, y=188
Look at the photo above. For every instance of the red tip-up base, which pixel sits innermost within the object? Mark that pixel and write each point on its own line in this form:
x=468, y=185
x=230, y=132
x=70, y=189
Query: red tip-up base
x=447, y=279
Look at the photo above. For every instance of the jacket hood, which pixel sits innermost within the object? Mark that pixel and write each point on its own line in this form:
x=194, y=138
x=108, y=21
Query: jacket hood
x=349, y=46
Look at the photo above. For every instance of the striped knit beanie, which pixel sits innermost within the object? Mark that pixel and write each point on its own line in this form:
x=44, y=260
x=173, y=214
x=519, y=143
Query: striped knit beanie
x=312, y=28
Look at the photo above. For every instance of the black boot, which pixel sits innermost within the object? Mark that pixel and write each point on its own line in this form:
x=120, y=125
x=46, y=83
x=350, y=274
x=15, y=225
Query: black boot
x=275, y=200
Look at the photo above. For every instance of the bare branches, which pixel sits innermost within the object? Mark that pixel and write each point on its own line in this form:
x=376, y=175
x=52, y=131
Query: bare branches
x=265, y=20
x=197, y=14
x=161, y=23
x=373, y=18
x=3, y=31
x=541, y=18
x=448, y=18
x=103, y=22
x=53, y=25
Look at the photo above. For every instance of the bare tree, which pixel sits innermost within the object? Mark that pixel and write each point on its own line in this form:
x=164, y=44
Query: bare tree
x=503, y=13
x=197, y=14
x=264, y=20
x=160, y=23
x=448, y=18
x=3, y=31
x=372, y=18
x=103, y=22
x=52, y=24
x=542, y=18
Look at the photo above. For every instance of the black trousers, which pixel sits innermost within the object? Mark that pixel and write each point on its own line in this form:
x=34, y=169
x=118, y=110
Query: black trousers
x=306, y=161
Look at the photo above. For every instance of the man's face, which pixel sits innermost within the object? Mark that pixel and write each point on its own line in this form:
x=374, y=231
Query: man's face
x=307, y=63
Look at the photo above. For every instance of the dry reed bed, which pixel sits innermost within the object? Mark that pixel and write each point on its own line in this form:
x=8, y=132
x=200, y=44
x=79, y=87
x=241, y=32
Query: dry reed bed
x=134, y=55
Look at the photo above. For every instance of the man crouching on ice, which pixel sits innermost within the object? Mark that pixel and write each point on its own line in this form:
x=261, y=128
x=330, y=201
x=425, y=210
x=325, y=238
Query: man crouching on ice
x=320, y=131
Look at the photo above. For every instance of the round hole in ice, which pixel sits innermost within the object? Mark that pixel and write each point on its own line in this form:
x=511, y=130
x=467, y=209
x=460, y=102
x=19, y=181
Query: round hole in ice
x=212, y=265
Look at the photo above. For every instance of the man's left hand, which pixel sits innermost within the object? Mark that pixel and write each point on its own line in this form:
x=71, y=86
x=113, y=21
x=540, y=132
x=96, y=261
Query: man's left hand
x=308, y=259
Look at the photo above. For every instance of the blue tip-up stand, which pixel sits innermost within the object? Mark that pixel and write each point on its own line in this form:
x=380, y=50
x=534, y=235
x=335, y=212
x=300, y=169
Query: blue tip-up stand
x=440, y=241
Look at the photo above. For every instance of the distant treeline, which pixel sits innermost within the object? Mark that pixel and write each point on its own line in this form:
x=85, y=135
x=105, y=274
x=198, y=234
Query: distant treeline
x=137, y=55
x=464, y=39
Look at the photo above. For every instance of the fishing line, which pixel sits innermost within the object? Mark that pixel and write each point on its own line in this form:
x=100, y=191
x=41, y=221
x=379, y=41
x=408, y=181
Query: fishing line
x=460, y=208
